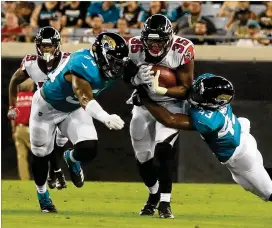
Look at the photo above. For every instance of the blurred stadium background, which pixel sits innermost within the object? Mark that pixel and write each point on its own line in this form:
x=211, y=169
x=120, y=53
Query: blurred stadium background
x=232, y=39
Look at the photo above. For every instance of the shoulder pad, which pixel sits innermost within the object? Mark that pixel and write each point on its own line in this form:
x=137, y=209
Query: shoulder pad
x=27, y=60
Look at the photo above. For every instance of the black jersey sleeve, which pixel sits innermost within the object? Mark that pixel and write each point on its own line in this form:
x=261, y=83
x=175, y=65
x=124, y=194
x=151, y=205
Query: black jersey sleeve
x=130, y=71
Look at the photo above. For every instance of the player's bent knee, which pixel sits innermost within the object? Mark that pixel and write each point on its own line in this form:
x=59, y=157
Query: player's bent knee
x=39, y=151
x=143, y=157
x=137, y=128
x=85, y=150
x=38, y=137
x=163, y=151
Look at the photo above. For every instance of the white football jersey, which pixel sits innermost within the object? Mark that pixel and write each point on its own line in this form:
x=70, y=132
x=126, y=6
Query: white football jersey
x=36, y=72
x=181, y=52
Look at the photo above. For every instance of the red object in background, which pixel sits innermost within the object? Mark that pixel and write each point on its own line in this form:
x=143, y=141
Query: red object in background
x=23, y=104
x=13, y=32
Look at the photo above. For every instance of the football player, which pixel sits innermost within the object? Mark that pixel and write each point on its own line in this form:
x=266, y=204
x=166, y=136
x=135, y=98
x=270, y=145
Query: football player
x=37, y=67
x=67, y=101
x=151, y=140
x=228, y=137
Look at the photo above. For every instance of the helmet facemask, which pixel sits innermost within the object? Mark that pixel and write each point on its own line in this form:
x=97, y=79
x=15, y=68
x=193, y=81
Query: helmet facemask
x=111, y=54
x=157, y=36
x=156, y=47
x=114, y=68
x=50, y=54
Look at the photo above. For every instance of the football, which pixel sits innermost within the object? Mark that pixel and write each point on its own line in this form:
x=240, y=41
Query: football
x=167, y=77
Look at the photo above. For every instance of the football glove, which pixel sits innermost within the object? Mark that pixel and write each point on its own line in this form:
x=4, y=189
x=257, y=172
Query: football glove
x=114, y=122
x=144, y=76
x=13, y=113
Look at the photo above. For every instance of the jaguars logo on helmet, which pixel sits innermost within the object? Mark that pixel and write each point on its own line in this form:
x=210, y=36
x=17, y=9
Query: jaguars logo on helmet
x=211, y=91
x=108, y=43
x=111, y=54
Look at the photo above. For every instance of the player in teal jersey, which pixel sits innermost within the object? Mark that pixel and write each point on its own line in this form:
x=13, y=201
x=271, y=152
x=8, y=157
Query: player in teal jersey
x=228, y=137
x=67, y=101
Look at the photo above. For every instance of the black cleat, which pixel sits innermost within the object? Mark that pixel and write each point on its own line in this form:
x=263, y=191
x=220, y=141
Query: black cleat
x=164, y=210
x=51, y=179
x=46, y=203
x=60, y=182
x=150, y=205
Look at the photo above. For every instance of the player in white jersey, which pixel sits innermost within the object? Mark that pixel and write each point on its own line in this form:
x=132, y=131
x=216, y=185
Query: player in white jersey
x=151, y=140
x=228, y=137
x=37, y=67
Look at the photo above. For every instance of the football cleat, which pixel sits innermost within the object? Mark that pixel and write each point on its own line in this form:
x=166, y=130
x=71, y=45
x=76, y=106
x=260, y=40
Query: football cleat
x=51, y=179
x=75, y=170
x=150, y=205
x=60, y=182
x=164, y=210
x=46, y=203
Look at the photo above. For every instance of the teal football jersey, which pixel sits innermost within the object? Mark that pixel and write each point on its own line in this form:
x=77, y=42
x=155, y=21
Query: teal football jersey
x=59, y=93
x=219, y=128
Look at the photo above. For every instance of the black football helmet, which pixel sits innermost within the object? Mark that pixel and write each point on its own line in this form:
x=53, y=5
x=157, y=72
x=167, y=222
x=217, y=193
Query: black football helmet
x=211, y=92
x=48, y=36
x=157, y=35
x=111, y=54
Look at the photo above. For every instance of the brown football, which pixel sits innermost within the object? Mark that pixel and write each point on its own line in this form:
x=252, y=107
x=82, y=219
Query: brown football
x=167, y=77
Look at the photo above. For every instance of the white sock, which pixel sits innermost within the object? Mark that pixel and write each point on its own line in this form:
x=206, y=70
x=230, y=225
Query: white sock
x=165, y=197
x=41, y=189
x=154, y=189
x=71, y=156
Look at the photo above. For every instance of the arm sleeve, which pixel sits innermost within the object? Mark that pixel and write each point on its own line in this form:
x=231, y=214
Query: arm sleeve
x=189, y=54
x=23, y=66
x=200, y=123
x=201, y=127
x=130, y=71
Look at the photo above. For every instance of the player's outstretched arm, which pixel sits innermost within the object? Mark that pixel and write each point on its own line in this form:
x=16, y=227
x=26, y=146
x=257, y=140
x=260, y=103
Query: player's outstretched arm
x=83, y=92
x=168, y=119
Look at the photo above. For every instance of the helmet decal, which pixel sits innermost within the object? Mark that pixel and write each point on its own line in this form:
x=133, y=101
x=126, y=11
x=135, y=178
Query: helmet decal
x=108, y=43
x=111, y=54
x=211, y=91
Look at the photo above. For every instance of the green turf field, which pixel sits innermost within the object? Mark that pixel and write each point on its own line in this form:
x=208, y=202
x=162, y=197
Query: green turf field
x=117, y=205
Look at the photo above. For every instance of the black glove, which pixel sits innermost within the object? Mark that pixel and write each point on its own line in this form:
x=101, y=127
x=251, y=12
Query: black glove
x=136, y=100
x=139, y=94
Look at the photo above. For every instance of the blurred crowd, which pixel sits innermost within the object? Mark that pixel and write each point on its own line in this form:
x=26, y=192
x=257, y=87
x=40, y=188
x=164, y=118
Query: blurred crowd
x=240, y=23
